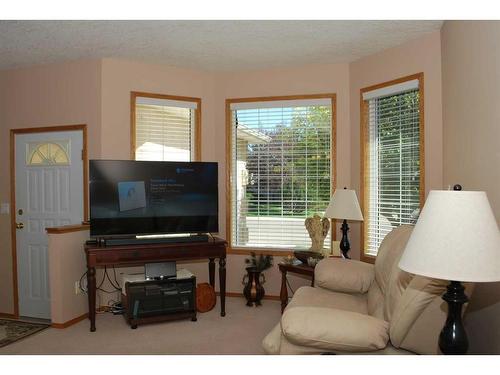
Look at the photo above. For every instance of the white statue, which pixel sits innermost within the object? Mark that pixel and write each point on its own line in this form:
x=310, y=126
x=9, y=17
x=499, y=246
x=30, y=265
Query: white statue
x=318, y=230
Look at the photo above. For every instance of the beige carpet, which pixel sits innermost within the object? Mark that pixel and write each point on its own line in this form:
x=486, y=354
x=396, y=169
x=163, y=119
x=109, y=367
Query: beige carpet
x=239, y=332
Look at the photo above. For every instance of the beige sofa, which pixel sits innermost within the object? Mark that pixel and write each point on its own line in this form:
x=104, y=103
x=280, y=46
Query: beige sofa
x=358, y=307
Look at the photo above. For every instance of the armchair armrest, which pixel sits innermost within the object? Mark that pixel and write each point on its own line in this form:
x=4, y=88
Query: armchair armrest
x=334, y=329
x=346, y=276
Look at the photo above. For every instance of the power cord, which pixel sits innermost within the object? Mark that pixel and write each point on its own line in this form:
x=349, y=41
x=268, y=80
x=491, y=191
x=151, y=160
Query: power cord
x=80, y=283
x=115, y=284
x=85, y=290
x=289, y=287
x=112, y=306
x=116, y=308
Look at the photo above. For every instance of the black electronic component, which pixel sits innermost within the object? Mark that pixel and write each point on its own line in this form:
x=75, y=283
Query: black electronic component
x=160, y=271
x=132, y=197
x=157, y=300
x=120, y=241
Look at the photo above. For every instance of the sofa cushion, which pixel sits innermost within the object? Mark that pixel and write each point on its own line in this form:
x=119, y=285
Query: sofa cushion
x=318, y=297
x=389, y=252
x=343, y=275
x=286, y=347
x=334, y=329
x=421, y=295
x=271, y=342
x=375, y=301
x=389, y=277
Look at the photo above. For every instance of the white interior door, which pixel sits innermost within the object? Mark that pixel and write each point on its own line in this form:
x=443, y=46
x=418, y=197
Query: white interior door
x=49, y=193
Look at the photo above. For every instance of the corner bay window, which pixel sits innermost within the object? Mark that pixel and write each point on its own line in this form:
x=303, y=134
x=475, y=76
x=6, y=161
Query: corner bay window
x=281, y=170
x=393, y=156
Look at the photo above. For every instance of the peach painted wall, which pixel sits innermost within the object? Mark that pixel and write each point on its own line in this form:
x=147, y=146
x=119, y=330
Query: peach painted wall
x=311, y=79
x=471, y=124
x=67, y=264
x=58, y=94
x=120, y=77
x=420, y=55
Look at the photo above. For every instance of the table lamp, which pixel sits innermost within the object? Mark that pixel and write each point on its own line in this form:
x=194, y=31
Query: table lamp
x=456, y=238
x=344, y=205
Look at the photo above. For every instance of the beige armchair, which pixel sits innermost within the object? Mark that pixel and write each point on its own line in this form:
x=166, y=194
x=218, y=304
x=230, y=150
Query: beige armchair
x=358, y=307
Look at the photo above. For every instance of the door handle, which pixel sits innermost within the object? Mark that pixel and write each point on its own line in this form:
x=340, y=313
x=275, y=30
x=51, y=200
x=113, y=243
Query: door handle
x=19, y=225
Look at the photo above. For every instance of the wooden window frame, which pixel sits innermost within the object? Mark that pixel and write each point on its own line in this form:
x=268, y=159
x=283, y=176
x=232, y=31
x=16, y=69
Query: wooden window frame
x=364, y=132
x=229, y=166
x=197, y=125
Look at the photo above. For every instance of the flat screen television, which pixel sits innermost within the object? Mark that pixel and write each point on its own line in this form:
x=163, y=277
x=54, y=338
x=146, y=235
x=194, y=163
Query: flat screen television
x=152, y=197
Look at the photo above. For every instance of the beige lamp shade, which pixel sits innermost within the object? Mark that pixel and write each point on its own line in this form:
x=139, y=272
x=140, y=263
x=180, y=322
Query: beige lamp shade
x=344, y=205
x=456, y=238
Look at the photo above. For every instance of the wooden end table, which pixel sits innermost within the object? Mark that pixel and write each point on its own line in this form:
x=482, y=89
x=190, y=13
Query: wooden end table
x=301, y=269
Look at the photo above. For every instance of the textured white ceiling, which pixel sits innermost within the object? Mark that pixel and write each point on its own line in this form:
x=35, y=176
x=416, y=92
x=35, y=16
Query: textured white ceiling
x=207, y=45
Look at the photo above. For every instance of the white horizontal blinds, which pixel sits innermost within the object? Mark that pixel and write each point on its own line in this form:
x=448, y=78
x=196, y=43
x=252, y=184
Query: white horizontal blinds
x=393, y=165
x=293, y=103
x=281, y=160
x=398, y=88
x=164, y=129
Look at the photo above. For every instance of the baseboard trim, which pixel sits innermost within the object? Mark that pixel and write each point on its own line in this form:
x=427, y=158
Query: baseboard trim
x=236, y=294
x=69, y=322
x=7, y=315
x=104, y=308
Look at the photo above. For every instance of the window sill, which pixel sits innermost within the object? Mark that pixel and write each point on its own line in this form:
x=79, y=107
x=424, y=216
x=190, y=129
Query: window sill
x=258, y=251
x=368, y=258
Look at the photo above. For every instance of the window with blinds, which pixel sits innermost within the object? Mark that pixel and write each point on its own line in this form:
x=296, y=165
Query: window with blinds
x=164, y=129
x=392, y=152
x=281, y=170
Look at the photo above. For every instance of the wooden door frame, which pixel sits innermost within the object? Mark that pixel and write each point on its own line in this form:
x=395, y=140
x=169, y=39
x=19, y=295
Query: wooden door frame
x=46, y=129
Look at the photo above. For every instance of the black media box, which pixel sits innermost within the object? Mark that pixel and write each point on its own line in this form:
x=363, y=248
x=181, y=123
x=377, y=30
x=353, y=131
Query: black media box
x=159, y=300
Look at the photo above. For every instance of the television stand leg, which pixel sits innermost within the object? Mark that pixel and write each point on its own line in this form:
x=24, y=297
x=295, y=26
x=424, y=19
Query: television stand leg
x=222, y=285
x=91, y=287
x=211, y=272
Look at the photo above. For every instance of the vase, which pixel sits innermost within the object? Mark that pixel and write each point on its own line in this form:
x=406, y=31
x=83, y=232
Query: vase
x=253, y=290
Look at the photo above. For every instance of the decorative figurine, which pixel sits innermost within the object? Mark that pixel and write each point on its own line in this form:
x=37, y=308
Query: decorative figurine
x=317, y=228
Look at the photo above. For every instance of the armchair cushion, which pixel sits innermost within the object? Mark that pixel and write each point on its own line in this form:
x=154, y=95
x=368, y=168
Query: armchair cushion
x=307, y=296
x=420, y=295
x=334, y=329
x=271, y=342
x=346, y=276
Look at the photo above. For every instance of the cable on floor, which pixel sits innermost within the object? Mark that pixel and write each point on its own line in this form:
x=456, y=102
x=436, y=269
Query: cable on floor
x=289, y=287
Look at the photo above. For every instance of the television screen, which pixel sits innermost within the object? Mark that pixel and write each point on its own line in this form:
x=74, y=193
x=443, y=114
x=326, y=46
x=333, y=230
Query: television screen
x=152, y=197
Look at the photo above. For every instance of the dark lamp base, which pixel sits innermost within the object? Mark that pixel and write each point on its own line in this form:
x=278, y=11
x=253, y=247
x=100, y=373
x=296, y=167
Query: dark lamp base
x=344, y=242
x=453, y=338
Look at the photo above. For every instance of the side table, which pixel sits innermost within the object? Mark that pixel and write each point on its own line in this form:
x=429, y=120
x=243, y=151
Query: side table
x=301, y=269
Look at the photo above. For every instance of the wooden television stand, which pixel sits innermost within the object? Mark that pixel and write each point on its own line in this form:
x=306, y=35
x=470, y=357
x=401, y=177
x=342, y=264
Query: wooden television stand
x=140, y=254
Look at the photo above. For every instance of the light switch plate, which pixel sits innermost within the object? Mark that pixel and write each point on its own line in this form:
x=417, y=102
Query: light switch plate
x=5, y=208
